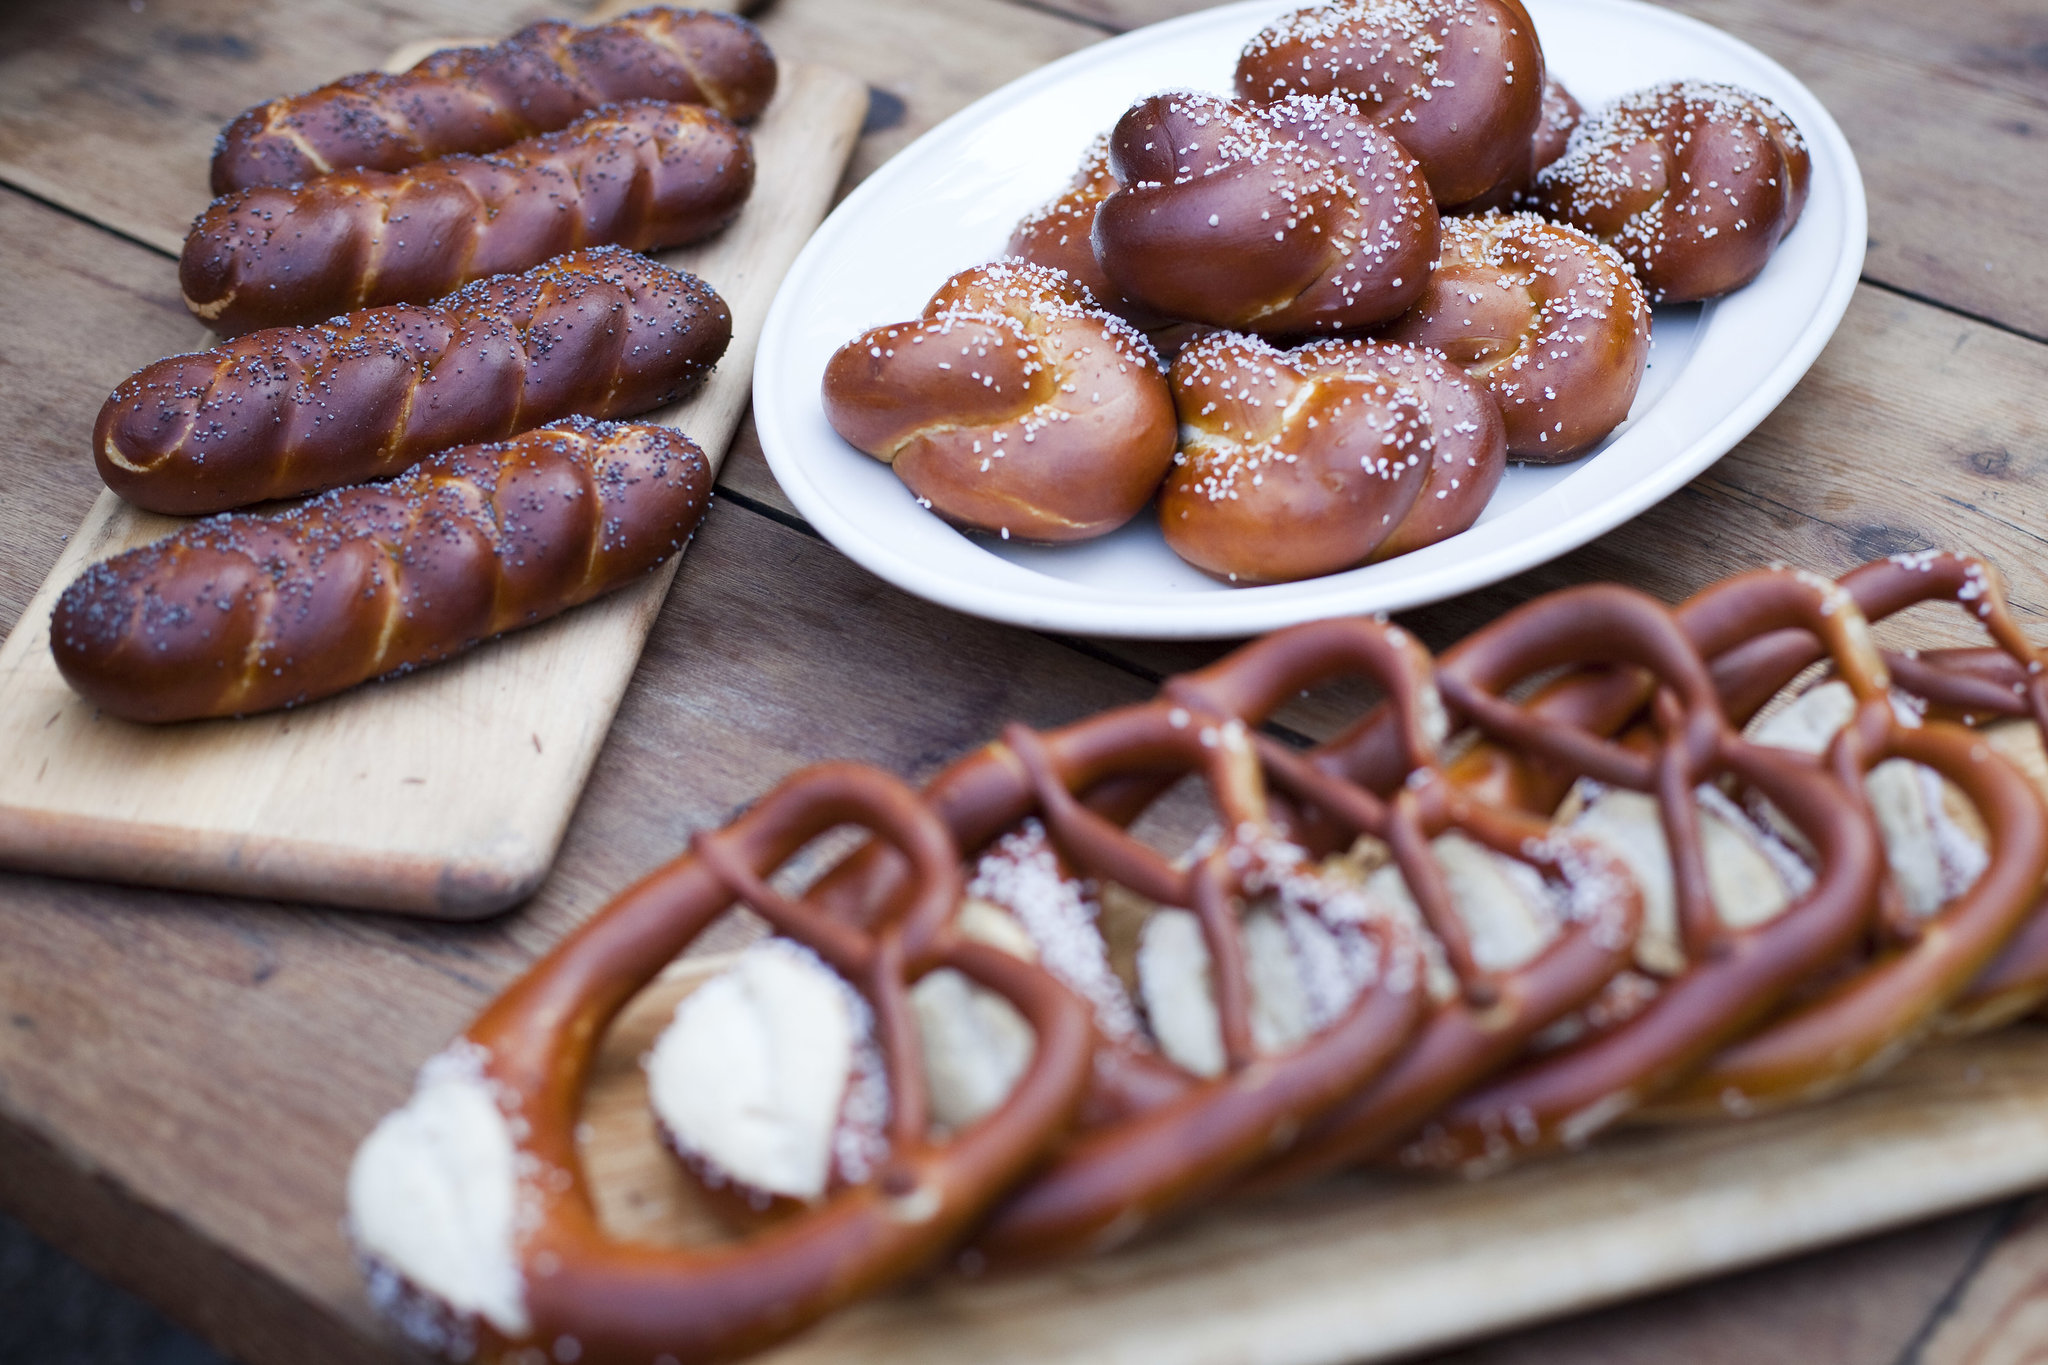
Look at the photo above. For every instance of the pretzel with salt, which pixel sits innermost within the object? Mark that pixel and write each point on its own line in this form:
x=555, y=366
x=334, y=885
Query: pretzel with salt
x=1720, y=979
x=542, y=1279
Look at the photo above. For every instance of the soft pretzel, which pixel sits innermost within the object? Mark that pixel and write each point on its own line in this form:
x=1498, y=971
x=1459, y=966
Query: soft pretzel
x=644, y=175
x=1310, y=461
x=1013, y=405
x=1285, y=219
x=1743, y=920
x=1550, y=320
x=1694, y=183
x=478, y=99
x=246, y=613
x=1965, y=836
x=1499, y=973
x=1513, y=917
x=1058, y=233
x=1459, y=83
x=470, y=1206
x=602, y=332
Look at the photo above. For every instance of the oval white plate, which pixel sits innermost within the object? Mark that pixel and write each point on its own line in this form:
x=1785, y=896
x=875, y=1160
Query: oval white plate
x=949, y=200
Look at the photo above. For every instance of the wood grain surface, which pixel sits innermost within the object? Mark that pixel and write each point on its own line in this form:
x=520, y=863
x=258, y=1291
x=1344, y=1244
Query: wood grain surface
x=442, y=793
x=183, y=1077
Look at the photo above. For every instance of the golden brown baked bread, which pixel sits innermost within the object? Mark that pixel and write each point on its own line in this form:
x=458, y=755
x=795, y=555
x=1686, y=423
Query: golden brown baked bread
x=478, y=99
x=1549, y=319
x=644, y=175
x=1304, y=462
x=1459, y=83
x=1561, y=115
x=245, y=612
x=1058, y=233
x=1694, y=183
x=292, y=410
x=1286, y=219
x=1012, y=405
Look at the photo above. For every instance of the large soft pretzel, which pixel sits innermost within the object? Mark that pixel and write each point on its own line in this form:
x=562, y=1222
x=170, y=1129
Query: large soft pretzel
x=1487, y=1010
x=644, y=175
x=478, y=99
x=1938, y=925
x=1549, y=319
x=1154, y=1135
x=1720, y=976
x=1317, y=459
x=1459, y=83
x=484, y=1158
x=1694, y=183
x=1014, y=405
x=1285, y=219
x=601, y=332
x=246, y=612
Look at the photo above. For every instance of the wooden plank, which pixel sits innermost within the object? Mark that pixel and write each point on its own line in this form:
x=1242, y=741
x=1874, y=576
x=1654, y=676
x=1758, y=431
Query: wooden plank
x=2001, y=1317
x=925, y=59
x=1858, y=1304
x=1948, y=218
x=109, y=109
x=349, y=801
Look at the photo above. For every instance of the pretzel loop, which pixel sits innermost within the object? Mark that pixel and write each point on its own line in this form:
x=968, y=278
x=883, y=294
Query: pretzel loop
x=615, y=1303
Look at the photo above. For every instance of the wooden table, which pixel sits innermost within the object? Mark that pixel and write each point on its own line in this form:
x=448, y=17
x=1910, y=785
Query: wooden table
x=182, y=1078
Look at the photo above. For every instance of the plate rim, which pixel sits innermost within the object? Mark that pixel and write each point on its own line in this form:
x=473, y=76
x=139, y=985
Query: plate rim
x=1223, y=615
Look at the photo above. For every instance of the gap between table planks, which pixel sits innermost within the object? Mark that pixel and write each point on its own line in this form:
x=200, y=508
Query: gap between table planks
x=444, y=793
x=1368, y=1267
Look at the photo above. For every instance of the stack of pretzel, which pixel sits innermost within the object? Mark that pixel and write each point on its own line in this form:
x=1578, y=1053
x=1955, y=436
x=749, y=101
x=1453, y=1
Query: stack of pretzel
x=1394, y=258
x=443, y=265
x=1601, y=859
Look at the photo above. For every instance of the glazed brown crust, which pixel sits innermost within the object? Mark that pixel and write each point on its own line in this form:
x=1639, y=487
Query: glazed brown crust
x=274, y=414
x=1561, y=115
x=1694, y=183
x=478, y=99
x=1012, y=406
x=1288, y=219
x=1459, y=83
x=1058, y=234
x=245, y=613
x=632, y=1304
x=1310, y=461
x=645, y=175
x=1549, y=319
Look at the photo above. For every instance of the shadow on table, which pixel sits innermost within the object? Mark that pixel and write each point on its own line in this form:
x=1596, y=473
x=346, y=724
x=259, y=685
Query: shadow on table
x=55, y=1312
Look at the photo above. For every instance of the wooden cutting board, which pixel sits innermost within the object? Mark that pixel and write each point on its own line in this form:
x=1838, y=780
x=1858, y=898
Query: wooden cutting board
x=1369, y=1267
x=445, y=793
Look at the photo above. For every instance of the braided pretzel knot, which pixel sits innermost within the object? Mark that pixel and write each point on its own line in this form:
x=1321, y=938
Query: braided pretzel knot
x=1495, y=1009
x=555, y=1284
x=1718, y=978
x=2000, y=692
